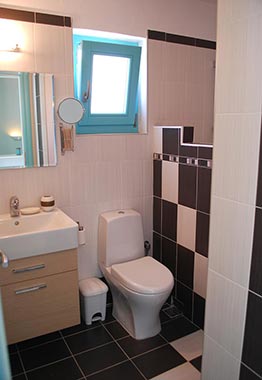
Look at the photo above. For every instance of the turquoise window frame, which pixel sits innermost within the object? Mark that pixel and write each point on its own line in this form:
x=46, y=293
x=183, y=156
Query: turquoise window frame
x=106, y=123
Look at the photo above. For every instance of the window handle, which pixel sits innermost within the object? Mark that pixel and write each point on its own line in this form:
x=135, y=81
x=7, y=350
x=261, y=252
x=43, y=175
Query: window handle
x=86, y=94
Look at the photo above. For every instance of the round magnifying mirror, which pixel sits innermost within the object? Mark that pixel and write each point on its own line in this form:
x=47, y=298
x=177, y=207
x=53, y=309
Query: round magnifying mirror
x=70, y=110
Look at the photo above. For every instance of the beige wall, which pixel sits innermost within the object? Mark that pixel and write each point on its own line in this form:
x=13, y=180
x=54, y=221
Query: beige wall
x=104, y=172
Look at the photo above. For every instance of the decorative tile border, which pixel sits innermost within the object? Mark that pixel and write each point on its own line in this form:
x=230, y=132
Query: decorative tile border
x=178, y=39
x=192, y=161
x=35, y=17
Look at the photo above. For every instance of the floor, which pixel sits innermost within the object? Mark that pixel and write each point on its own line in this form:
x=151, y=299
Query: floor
x=105, y=351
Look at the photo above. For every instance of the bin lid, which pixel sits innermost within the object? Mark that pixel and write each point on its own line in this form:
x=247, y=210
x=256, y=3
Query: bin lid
x=92, y=286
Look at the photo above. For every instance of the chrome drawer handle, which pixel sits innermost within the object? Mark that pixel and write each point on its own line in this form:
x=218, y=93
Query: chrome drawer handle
x=29, y=269
x=4, y=261
x=31, y=289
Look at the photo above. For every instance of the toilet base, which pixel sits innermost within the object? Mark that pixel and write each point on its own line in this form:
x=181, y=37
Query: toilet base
x=137, y=313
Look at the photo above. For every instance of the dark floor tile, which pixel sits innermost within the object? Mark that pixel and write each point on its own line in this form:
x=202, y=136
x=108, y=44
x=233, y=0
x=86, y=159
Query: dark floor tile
x=100, y=358
x=88, y=339
x=202, y=233
x=169, y=219
x=199, y=305
x=187, y=186
x=256, y=262
x=126, y=371
x=135, y=347
x=20, y=377
x=185, y=266
x=171, y=140
x=163, y=317
x=157, y=214
x=12, y=348
x=197, y=362
x=169, y=254
x=252, y=346
x=157, y=178
x=45, y=354
x=204, y=189
x=246, y=374
x=109, y=317
x=156, y=246
x=158, y=361
x=39, y=340
x=63, y=370
x=116, y=330
x=185, y=296
x=259, y=179
x=79, y=328
x=15, y=363
x=177, y=328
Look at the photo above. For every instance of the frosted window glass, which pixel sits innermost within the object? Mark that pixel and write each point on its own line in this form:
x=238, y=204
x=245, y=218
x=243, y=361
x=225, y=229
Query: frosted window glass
x=110, y=79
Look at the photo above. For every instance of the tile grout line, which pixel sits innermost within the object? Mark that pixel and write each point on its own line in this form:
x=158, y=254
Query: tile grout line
x=106, y=368
x=129, y=359
x=38, y=345
x=72, y=355
x=21, y=360
x=46, y=365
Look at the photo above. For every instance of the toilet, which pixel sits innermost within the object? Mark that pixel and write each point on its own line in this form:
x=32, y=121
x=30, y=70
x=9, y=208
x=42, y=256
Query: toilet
x=140, y=285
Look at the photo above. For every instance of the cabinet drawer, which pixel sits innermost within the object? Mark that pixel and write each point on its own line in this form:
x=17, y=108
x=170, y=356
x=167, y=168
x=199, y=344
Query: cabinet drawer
x=40, y=306
x=38, y=266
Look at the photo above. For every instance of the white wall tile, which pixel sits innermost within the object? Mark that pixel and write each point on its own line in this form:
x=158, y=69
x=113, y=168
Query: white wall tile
x=231, y=237
x=170, y=181
x=186, y=227
x=245, y=94
x=49, y=49
x=225, y=313
x=132, y=179
x=200, y=275
x=218, y=364
x=108, y=181
x=235, y=157
x=137, y=147
x=112, y=148
x=157, y=146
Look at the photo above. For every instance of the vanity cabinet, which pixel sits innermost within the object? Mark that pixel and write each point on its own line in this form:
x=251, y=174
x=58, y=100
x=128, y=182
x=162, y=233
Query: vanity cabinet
x=40, y=294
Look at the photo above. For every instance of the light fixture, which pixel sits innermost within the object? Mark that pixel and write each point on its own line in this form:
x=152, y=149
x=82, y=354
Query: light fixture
x=16, y=138
x=15, y=49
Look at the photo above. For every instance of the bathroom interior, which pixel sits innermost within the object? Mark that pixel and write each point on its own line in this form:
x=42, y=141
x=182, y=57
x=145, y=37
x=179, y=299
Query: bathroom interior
x=167, y=252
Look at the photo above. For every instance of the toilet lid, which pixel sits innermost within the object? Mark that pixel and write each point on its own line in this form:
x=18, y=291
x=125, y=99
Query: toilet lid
x=144, y=275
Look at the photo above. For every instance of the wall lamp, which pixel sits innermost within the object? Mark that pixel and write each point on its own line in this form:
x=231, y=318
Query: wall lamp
x=15, y=49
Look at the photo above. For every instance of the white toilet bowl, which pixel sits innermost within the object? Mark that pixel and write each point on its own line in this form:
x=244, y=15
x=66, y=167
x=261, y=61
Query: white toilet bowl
x=139, y=289
x=140, y=285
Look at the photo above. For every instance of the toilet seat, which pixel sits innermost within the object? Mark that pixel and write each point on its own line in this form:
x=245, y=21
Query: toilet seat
x=145, y=275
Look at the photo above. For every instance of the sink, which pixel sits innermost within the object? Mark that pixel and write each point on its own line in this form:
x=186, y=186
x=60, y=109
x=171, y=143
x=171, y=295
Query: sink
x=30, y=235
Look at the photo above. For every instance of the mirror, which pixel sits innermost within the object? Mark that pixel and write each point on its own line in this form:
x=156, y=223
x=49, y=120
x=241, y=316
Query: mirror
x=27, y=123
x=70, y=110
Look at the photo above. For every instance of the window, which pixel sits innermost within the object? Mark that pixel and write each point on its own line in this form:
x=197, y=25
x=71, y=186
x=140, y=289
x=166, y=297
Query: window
x=107, y=76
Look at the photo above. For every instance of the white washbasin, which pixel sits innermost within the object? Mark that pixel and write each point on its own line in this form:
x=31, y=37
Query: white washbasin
x=30, y=235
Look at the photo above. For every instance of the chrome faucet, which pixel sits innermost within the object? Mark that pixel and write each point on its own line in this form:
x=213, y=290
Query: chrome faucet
x=14, y=206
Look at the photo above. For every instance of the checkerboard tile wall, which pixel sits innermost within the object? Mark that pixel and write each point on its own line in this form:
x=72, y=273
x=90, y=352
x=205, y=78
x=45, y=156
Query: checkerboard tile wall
x=181, y=209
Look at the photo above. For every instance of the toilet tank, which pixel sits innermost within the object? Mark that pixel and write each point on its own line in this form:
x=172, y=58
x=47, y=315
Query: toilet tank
x=120, y=237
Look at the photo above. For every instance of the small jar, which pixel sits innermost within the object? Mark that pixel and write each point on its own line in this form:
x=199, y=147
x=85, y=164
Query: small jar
x=47, y=203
